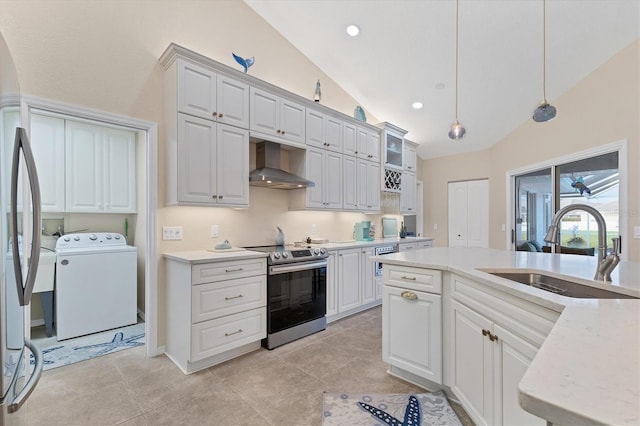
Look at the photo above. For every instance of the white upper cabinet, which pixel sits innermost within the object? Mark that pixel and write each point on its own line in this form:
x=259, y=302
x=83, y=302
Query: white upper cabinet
x=325, y=169
x=213, y=163
x=409, y=156
x=276, y=117
x=349, y=183
x=368, y=184
x=349, y=139
x=99, y=169
x=47, y=143
x=367, y=144
x=324, y=131
x=408, y=193
x=205, y=94
x=393, y=143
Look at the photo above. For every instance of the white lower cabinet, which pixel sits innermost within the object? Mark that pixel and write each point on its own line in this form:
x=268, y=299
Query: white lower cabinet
x=367, y=276
x=493, y=341
x=349, y=279
x=332, y=283
x=412, y=321
x=215, y=310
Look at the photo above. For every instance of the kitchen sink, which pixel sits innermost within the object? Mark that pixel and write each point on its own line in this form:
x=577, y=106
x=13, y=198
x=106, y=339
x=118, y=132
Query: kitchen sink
x=560, y=286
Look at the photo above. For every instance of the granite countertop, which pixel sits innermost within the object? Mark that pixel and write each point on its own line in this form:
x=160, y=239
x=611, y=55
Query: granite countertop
x=205, y=256
x=588, y=369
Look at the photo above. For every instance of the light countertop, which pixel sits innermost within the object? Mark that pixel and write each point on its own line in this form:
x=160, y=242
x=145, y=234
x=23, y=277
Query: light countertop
x=338, y=245
x=204, y=256
x=588, y=369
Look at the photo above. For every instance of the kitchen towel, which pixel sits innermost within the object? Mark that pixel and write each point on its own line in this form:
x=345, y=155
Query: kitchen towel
x=368, y=409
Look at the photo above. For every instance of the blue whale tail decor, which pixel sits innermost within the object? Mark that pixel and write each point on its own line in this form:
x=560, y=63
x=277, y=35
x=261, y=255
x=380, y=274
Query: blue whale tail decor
x=246, y=63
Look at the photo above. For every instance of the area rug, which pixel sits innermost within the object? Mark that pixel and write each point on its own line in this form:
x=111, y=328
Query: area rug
x=57, y=354
x=388, y=409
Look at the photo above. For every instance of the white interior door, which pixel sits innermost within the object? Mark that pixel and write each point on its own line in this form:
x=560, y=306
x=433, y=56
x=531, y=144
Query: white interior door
x=469, y=213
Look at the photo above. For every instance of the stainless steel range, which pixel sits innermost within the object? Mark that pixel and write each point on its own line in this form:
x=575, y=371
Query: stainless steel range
x=296, y=292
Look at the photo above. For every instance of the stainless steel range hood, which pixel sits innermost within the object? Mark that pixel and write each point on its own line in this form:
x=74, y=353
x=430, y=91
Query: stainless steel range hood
x=268, y=172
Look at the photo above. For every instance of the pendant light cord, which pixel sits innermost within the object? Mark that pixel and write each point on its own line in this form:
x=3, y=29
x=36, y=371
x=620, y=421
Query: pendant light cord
x=544, y=51
x=457, y=60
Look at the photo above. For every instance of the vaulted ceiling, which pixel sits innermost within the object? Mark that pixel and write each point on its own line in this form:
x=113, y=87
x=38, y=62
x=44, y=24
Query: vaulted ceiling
x=406, y=53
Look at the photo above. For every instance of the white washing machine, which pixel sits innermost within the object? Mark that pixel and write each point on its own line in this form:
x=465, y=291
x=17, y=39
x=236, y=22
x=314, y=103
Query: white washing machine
x=96, y=286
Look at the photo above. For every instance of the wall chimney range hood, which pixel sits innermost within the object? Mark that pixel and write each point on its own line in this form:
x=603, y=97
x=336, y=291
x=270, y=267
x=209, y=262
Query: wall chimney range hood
x=268, y=172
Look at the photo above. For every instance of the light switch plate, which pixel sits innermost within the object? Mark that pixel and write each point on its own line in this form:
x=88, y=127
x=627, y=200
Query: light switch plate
x=171, y=233
x=215, y=231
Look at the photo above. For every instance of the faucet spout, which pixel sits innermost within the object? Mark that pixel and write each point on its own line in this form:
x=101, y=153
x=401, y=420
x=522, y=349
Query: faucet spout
x=553, y=232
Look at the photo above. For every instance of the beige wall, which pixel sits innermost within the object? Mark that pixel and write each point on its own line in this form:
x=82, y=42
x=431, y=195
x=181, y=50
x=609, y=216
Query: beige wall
x=104, y=55
x=601, y=109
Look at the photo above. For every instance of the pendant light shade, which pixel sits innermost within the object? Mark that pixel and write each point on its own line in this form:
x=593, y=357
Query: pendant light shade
x=457, y=130
x=545, y=111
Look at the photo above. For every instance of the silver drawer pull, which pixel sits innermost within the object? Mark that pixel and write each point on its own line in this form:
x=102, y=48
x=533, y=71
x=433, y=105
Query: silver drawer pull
x=409, y=295
x=234, y=297
x=234, y=270
x=408, y=278
x=235, y=332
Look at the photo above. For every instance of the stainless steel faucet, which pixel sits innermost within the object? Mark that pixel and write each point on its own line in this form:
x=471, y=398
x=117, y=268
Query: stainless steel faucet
x=606, y=264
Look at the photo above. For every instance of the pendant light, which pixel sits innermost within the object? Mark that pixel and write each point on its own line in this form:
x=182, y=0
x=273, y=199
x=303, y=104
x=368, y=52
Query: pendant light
x=457, y=130
x=545, y=111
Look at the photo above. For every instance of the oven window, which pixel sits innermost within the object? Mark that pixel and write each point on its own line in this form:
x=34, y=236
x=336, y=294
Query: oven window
x=295, y=298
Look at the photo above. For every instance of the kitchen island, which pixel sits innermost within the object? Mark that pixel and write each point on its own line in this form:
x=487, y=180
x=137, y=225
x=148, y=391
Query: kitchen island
x=587, y=370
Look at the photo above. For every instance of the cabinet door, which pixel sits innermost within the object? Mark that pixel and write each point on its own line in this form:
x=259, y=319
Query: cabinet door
x=315, y=173
x=362, y=184
x=408, y=193
x=232, y=165
x=332, y=283
x=333, y=180
x=196, y=90
x=348, y=279
x=83, y=171
x=316, y=129
x=349, y=183
x=367, y=275
x=472, y=363
x=409, y=158
x=47, y=143
x=373, y=186
x=196, y=160
x=232, y=102
x=374, y=146
x=333, y=133
x=264, y=112
x=291, y=118
x=511, y=359
x=362, y=143
x=349, y=145
x=119, y=147
x=412, y=331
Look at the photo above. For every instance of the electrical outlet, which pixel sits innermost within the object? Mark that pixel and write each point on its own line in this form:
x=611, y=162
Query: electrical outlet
x=435, y=226
x=314, y=229
x=215, y=231
x=504, y=227
x=636, y=231
x=171, y=233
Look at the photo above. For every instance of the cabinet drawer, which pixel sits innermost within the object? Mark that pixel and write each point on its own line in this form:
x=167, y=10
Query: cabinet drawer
x=220, y=335
x=218, y=271
x=413, y=278
x=213, y=300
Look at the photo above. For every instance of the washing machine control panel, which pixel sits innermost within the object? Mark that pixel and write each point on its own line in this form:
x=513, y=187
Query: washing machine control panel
x=95, y=239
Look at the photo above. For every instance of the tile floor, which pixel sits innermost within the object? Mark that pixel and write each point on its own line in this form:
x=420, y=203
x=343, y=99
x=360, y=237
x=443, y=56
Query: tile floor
x=279, y=387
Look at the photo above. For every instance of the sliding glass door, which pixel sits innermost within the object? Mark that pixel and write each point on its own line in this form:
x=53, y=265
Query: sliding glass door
x=539, y=194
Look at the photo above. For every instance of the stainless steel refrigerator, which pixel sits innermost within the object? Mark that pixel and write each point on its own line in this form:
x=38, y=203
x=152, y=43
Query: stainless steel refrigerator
x=20, y=371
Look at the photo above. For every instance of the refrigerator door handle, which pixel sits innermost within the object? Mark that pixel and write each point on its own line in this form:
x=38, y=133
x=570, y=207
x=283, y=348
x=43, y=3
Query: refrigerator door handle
x=33, y=380
x=22, y=143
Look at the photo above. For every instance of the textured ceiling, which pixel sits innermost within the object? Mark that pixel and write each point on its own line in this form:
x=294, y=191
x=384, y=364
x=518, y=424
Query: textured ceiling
x=406, y=53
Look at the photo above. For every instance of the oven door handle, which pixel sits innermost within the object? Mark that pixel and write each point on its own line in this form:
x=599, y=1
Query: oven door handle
x=274, y=270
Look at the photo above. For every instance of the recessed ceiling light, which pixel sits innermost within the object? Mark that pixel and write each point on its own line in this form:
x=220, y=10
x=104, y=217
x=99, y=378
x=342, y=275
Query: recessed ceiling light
x=440, y=86
x=417, y=105
x=353, y=30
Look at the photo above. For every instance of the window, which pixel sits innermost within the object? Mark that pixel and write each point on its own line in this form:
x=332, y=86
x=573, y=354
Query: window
x=540, y=193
